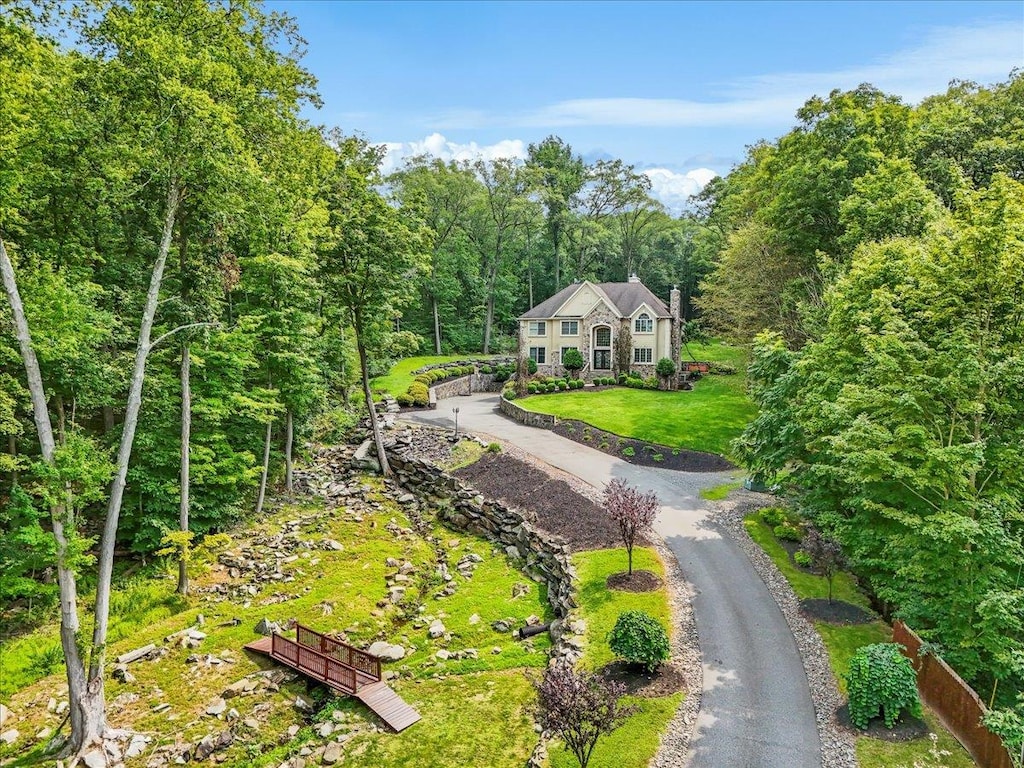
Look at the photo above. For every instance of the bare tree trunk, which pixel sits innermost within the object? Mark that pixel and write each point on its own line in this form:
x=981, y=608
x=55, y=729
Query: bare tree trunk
x=289, y=439
x=87, y=712
x=186, y=439
x=488, y=323
x=124, y=453
x=265, y=471
x=437, y=325
x=378, y=438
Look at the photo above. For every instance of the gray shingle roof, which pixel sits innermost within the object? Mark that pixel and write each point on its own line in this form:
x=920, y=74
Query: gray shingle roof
x=625, y=297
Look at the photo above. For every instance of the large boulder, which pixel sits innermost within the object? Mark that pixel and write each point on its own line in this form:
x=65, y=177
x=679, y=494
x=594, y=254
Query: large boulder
x=386, y=651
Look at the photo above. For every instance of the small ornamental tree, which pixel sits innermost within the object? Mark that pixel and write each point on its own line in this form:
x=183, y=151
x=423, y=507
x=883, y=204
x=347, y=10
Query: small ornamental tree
x=579, y=707
x=826, y=556
x=882, y=681
x=639, y=638
x=665, y=369
x=573, y=361
x=633, y=511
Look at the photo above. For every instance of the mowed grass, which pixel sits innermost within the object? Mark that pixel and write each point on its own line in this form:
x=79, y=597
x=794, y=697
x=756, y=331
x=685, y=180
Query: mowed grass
x=330, y=591
x=842, y=643
x=706, y=419
x=398, y=379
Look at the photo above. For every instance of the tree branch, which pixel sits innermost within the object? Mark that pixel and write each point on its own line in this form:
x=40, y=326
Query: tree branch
x=181, y=328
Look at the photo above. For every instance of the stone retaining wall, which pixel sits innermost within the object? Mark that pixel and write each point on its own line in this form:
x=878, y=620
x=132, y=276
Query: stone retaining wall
x=466, y=385
x=544, y=558
x=523, y=416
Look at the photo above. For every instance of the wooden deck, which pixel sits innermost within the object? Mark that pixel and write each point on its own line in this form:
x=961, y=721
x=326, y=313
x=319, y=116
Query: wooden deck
x=341, y=667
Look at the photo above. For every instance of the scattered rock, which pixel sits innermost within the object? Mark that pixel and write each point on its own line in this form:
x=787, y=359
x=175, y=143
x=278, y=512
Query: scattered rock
x=251, y=723
x=332, y=753
x=443, y=655
x=136, y=746
x=304, y=703
x=217, y=707
x=325, y=730
x=503, y=625
x=332, y=545
x=436, y=629
x=9, y=736
x=44, y=734
x=120, y=672
x=5, y=713
x=519, y=589
x=267, y=627
x=474, y=619
x=95, y=758
x=292, y=730
x=386, y=651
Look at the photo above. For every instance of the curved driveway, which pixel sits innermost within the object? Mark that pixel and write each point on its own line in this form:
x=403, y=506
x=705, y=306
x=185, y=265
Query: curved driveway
x=756, y=707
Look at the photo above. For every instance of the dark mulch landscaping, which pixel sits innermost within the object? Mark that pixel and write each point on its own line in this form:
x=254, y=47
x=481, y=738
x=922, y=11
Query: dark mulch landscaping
x=559, y=509
x=678, y=459
x=664, y=681
x=836, y=612
x=907, y=728
x=639, y=581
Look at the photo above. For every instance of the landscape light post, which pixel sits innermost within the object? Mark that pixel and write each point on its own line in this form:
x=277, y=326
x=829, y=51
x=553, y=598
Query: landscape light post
x=456, y=412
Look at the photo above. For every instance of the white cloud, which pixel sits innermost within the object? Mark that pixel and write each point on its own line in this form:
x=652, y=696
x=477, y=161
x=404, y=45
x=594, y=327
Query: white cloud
x=438, y=146
x=983, y=52
x=674, y=189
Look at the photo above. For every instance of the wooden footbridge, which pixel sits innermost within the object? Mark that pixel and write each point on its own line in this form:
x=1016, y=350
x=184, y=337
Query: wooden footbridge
x=342, y=668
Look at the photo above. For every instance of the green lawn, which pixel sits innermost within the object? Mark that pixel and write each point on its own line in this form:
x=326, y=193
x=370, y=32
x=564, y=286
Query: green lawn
x=704, y=419
x=400, y=376
x=842, y=642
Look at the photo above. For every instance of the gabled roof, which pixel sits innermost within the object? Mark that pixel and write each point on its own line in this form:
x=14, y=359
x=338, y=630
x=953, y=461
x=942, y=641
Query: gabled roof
x=625, y=298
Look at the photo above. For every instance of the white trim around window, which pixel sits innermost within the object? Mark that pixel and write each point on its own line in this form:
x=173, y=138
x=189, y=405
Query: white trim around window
x=539, y=355
x=643, y=355
x=570, y=327
x=643, y=324
x=538, y=328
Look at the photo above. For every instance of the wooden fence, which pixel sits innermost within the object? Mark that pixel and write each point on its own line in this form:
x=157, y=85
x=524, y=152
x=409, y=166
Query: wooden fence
x=955, y=701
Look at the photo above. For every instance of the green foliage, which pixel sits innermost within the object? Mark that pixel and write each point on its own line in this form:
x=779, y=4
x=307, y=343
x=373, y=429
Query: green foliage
x=640, y=638
x=882, y=681
x=787, y=532
x=802, y=559
x=773, y=516
x=419, y=394
x=658, y=457
x=494, y=447
x=665, y=368
x=628, y=451
x=531, y=366
x=572, y=360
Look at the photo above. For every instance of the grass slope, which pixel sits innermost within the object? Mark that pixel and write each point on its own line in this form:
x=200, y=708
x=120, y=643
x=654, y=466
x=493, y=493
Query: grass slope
x=349, y=583
x=707, y=418
x=842, y=642
x=398, y=379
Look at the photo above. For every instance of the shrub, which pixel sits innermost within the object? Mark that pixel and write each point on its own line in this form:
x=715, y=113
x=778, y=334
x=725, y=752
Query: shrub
x=802, y=559
x=573, y=360
x=509, y=394
x=622, y=378
x=628, y=451
x=880, y=679
x=486, y=369
x=531, y=388
x=658, y=457
x=562, y=386
x=424, y=379
x=639, y=638
x=723, y=369
x=634, y=382
x=665, y=368
x=494, y=447
x=773, y=516
x=531, y=366
x=651, y=382
x=405, y=399
x=418, y=392
x=787, y=532
x=604, y=445
x=551, y=386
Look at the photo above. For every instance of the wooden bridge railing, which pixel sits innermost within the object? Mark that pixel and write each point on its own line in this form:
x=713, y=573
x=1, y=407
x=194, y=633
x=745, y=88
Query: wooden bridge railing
x=339, y=651
x=314, y=663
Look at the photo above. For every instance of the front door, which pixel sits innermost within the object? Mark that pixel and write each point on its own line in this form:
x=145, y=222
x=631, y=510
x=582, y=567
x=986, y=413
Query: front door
x=602, y=359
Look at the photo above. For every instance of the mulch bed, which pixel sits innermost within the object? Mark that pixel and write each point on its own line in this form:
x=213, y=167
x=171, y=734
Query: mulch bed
x=639, y=581
x=836, y=612
x=907, y=728
x=678, y=459
x=665, y=680
x=559, y=509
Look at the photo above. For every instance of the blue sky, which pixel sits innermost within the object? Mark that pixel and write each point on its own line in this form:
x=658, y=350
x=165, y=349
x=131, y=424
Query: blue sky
x=677, y=88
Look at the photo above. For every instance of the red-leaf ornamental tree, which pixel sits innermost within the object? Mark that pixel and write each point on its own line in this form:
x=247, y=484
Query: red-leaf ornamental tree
x=579, y=707
x=632, y=510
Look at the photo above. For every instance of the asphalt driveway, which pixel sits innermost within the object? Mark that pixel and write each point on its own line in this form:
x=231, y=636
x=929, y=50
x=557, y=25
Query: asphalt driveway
x=756, y=707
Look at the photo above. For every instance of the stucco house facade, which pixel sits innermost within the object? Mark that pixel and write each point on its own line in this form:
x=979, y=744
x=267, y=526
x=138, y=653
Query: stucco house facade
x=615, y=326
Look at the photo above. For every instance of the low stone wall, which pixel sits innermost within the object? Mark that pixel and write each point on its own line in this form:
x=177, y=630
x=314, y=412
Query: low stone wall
x=463, y=385
x=523, y=416
x=545, y=558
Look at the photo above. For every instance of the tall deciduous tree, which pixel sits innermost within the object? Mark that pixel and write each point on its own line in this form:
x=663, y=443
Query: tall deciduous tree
x=370, y=252
x=559, y=176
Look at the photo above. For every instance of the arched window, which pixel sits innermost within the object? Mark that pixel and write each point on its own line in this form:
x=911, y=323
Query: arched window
x=643, y=324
